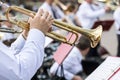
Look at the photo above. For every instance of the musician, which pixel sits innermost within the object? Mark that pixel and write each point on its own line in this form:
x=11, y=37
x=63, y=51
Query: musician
x=89, y=12
x=52, y=9
x=70, y=14
x=56, y=13
x=117, y=24
x=7, y=36
x=25, y=57
x=72, y=64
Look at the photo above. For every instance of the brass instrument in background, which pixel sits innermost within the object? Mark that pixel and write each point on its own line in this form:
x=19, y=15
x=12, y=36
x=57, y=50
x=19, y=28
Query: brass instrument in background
x=57, y=2
x=7, y=30
x=111, y=3
x=80, y=1
x=93, y=35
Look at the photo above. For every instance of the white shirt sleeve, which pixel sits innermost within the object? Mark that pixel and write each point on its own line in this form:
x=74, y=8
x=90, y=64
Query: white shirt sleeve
x=116, y=16
x=24, y=65
x=87, y=15
x=17, y=45
x=31, y=56
x=68, y=64
x=93, y=14
x=68, y=75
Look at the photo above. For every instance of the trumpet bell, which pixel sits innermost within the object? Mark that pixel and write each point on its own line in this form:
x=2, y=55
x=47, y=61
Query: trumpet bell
x=95, y=36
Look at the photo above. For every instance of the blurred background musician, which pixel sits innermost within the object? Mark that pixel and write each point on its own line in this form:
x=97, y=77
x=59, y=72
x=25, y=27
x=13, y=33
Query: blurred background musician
x=56, y=12
x=116, y=16
x=69, y=8
x=88, y=14
x=72, y=66
x=70, y=12
x=7, y=38
x=53, y=9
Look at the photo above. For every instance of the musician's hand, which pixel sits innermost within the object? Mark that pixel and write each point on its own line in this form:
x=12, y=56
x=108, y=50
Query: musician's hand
x=77, y=78
x=42, y=21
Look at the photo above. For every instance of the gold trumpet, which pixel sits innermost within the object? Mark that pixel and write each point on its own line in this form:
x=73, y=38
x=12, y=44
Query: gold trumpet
x=94, y=35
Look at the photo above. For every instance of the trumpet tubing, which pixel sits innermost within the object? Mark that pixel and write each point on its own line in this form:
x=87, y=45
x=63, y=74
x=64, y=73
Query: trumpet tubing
x=57, y=2
x=7, y=30
x=94, y=35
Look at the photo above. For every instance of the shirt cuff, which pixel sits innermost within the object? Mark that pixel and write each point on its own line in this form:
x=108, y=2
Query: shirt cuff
x=37, y=36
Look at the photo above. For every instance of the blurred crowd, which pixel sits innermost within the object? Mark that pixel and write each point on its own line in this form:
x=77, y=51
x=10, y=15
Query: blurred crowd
x=82, y=59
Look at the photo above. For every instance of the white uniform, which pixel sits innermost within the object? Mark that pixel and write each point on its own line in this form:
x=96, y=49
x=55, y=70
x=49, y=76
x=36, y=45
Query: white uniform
x=6, y=36
x=116, y=16
x=72, y=64
x=70, y=18
x=88, y=14
x=21, y=63
x=55, y=12
x=47, y=7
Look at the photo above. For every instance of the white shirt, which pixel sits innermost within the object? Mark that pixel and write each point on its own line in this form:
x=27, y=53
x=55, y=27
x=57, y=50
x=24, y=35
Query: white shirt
x=70, y=18
x=116, y=16
x=72, y=64
x=87, y=14
x=21, y=61
x=6, y=36
x=47, y=7
x=18, y=44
